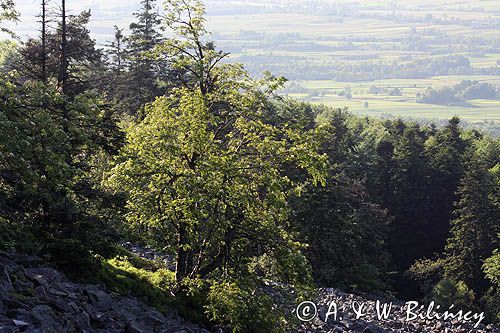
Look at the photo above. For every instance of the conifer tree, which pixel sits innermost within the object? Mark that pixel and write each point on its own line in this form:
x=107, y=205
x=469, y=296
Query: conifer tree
x=83, y=65
x=119, y=81
x=62, y=78
x=408, y=180
x=444, y=151
x=116, y=52
x=43, y=38
x=477, y=214
x=7, y=13
x=145, y=73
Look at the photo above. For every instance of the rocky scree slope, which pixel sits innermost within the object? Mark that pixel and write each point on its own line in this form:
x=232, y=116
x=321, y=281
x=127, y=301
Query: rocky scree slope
x=36, y=299
x=369, y=323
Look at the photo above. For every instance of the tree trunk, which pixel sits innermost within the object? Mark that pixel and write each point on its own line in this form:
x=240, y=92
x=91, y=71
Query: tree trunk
x=183, y=257
x=63, y=69
x=62, y=84
x=44, y=42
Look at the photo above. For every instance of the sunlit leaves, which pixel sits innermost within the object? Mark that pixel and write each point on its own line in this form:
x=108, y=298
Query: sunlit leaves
x=214, y=173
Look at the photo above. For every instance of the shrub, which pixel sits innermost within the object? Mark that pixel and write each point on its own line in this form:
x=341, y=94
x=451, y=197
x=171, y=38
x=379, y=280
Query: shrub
x=492, y=268
x=448, y=292
x=491, y=302
x=491, y=299
x=243, y=309
x=427, y=273
x=121, y=276
x=7, y=235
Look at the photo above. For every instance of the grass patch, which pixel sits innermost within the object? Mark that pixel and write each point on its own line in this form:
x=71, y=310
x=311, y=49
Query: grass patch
x=130, y=275
x=133, y=276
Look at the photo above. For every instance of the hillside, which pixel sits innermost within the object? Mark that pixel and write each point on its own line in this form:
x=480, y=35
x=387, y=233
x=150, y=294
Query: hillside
x=167, y=181
x=38, y=298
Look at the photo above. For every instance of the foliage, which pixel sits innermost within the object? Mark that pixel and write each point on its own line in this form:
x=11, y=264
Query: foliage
x=204, y=182
x=8, y=235
x=116, y=52
x=48, y=153
x=243, y=308
x=129, y=275
x=7, y=53
x=492, y=268
x=344, y=230
x=491, y=298
x=145, y=35
x=428, y=273
x=442, y=96
x=491, y=304
x=202, y=171
x=448, y=292
x=7, y=13
x=473, y=233
x=465, y=90
x=245, y=188
x=145, y=77
x=85, y=61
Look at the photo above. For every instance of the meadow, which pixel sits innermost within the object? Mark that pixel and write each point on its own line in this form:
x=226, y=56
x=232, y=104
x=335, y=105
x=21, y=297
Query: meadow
x=296, y=39
x=404, y=105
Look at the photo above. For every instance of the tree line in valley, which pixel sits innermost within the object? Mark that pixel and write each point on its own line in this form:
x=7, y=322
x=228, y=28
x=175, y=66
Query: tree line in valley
x=297, y=67
x=459, y=93
x=162, y=142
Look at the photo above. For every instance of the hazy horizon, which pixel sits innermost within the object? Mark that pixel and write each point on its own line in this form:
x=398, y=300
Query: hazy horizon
x=106, y=14
x=375, y=57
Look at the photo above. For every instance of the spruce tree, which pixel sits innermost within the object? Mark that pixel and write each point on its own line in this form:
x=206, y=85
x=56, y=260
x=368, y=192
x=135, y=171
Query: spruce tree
x=345, y=231
x=145, y=73
x=477, y=214
x=444, y=154
x=116, y=52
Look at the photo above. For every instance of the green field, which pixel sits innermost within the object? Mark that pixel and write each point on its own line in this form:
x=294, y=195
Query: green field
x=404, y=105
x=345, y=34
